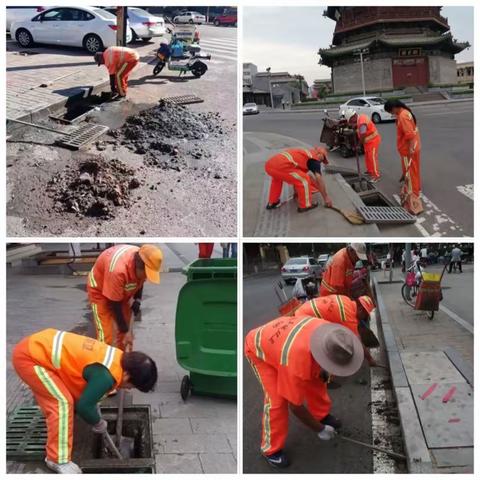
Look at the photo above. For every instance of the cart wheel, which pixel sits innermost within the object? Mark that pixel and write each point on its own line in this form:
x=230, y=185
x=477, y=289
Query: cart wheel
x=185, y=387
x=408, y=300
x=431, y=314
x=158, y=68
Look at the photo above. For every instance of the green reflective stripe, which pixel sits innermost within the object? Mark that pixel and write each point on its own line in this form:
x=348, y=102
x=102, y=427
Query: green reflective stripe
x=306, y=187
x=57, y=348
x=308, y=152
x=119, y=78
x=289, y=157
x=341, y=307
x=116, y=256
x=63, y=412
x=91, y=277
x=109, y=354
x=291, y=338
x=130, y=286
x=266, y=444
x=328, y=286
x=98, y=323
x=315, y=309
x=258, y=344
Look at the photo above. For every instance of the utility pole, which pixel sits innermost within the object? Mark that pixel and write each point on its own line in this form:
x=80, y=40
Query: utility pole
x=122, y=26
x=361, y=52
x=270, y=85
x=408, y=262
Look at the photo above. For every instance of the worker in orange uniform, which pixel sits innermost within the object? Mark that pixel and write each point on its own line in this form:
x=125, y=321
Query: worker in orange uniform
x=115, y=286
x=291, y=358
x=120, y=61
x=302, y=168
x=408, y=143
x=337, y=278
x=350, y=313
x=70, y=373
x=370, y=139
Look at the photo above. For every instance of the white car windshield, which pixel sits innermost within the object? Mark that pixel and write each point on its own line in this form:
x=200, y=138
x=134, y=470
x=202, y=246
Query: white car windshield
x=377, y=101
x=104, y=14
x=297, y=261
x=250, y=105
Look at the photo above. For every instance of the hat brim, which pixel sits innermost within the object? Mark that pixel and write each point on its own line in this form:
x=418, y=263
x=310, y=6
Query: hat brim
x=152, y=275
x=319, y=352
x=361, y=256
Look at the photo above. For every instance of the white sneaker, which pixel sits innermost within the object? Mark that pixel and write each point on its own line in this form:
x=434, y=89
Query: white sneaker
x=65, y=468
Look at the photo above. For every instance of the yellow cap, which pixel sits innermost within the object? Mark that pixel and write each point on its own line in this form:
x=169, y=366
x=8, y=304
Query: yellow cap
x=152, y=257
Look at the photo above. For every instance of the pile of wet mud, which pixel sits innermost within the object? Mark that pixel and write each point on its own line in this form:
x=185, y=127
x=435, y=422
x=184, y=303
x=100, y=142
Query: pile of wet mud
x=94, y=187
x=169, y=136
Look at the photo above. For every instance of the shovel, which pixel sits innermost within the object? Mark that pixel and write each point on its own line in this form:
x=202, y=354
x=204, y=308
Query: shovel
x=353, y=217
x=396, y=456
x=111, y=446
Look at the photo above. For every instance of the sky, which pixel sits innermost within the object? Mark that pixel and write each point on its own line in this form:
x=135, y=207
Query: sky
x=288, y=38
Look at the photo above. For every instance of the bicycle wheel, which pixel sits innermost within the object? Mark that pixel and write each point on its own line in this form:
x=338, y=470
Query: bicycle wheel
x=408, y=300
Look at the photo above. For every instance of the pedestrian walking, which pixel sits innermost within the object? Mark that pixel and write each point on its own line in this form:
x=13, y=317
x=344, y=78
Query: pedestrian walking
x=455, y=260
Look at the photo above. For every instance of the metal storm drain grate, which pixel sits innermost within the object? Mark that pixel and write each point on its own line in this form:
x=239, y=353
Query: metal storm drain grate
x=82, y=136
x=386, y=215
x=183, y=99
x=26, y=434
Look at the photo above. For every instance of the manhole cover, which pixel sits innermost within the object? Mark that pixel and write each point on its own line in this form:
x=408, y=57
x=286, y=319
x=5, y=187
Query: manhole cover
x=183, y=99
x=82, y=136
x=386, y=215
x=26, y=434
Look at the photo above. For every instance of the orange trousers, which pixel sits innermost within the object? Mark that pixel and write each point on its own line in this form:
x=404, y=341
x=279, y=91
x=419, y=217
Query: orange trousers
x=414, y=183
x=371, y=156
x=275, y=407
x=54, y=400
x=301, y=181
x=105, y=322
x=121, y=77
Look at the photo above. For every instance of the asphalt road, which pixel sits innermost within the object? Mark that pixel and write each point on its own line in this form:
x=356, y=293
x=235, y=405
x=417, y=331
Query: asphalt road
x=306, y=452
x=447, y=158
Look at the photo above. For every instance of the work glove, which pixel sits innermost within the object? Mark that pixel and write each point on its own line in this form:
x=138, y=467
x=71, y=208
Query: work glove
x=328, y=433
x=100, y=427
x=136, y=306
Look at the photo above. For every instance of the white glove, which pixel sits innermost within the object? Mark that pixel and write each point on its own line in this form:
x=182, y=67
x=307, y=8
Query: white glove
x=100, y=427
x=328, y=433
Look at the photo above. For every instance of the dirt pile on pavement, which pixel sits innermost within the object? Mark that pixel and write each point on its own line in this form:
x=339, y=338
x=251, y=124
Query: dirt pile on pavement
x=167, y=134
x=94, y=187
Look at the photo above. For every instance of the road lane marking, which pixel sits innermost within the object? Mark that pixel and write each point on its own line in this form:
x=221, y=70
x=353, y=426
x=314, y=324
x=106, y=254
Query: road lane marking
x=467, y=326
x=466, y=190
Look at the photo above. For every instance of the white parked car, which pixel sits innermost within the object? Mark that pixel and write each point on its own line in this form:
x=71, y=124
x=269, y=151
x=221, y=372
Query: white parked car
x=89, y=27
x=373, y=107
x=250, y=109
x=18, y=14
x=190, y=17
x=143, y=24
x=301, y=267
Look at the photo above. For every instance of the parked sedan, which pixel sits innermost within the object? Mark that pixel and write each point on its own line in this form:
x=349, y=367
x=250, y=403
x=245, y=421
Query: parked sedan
x=250, y=109
x=143, y=25
x=92, y=28
x=301, y=267
x=190, y=17
x=373, y=107
x=228, y=17
x=19, y=14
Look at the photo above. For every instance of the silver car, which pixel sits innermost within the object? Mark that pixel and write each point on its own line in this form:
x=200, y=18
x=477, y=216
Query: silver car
x=301, y=267
x=250, y=109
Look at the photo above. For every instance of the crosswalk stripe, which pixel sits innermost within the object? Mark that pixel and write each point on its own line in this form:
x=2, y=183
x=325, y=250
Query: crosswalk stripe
x=220, y=49
x=221, y=40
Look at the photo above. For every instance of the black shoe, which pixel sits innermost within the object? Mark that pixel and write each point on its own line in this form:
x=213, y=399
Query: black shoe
x=332, y=421
x=272, y=206
x=277, y=460
x=306, y=209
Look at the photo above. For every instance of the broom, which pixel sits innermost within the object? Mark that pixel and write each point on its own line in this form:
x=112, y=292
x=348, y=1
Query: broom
x=353, y=217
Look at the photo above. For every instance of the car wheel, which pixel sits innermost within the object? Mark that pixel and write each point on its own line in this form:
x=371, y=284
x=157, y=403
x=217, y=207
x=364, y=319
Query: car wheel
x=376, y=118
x=146, y=39
x=216, y=23
x=24, y=38
x=134, y=36
x=190, y=21
x=92, y=43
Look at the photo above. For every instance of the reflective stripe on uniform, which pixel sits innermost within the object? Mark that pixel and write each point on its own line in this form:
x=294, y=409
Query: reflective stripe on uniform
x=130, y=286
x=109, y=354
x=63, y=412
x=289, y=157
x=407, y=174
x=374, y=160
x=57, y=349
x=98, y=323
x=328, y=286
x=291, y=338
x=119, y=78
x=258, y=344
x=371, y=136
x=341, y=308
x=91, y=278
x=116, y=256
x=305, y=187
x=315, y=309
x=308, y=152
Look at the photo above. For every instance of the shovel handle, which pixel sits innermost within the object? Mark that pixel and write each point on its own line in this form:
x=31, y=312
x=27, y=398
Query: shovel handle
x=111, y=445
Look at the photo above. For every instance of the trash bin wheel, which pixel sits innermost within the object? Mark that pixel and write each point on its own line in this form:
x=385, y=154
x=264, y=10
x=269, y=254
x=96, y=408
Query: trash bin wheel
x=185, y=387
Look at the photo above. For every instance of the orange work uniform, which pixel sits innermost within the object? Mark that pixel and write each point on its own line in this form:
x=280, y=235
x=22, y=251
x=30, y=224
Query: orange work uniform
x=332, y=308
x=371, y=145
x=51, y=363
x=279, y=353
x=290, y=166
x=338, y=276
x=120, y=61
x=112, y=279
x=406, y=131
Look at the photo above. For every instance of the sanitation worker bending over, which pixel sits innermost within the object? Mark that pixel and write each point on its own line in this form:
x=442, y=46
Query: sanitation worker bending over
x=115, y=285
x=291, y=358
x=69, y=374
x=300, y=167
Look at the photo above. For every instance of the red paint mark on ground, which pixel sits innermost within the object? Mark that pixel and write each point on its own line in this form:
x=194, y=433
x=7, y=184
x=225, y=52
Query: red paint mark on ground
x=429, y=391
x=449, y=395
x=454, y=420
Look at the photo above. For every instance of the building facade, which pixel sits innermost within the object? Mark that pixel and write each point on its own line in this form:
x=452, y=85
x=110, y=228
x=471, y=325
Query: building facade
x=465, y=74
x=400, y=47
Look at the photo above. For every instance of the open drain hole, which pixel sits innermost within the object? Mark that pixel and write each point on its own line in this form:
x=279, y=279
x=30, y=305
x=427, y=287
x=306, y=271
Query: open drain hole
x=77, y=110
x=375, y=199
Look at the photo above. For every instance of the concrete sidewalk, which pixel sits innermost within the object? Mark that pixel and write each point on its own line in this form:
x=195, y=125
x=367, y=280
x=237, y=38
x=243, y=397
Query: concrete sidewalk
x=430, y=361
x=196, y=436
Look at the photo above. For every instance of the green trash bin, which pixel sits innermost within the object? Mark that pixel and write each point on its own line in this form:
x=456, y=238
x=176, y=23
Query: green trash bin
x=206, y=328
